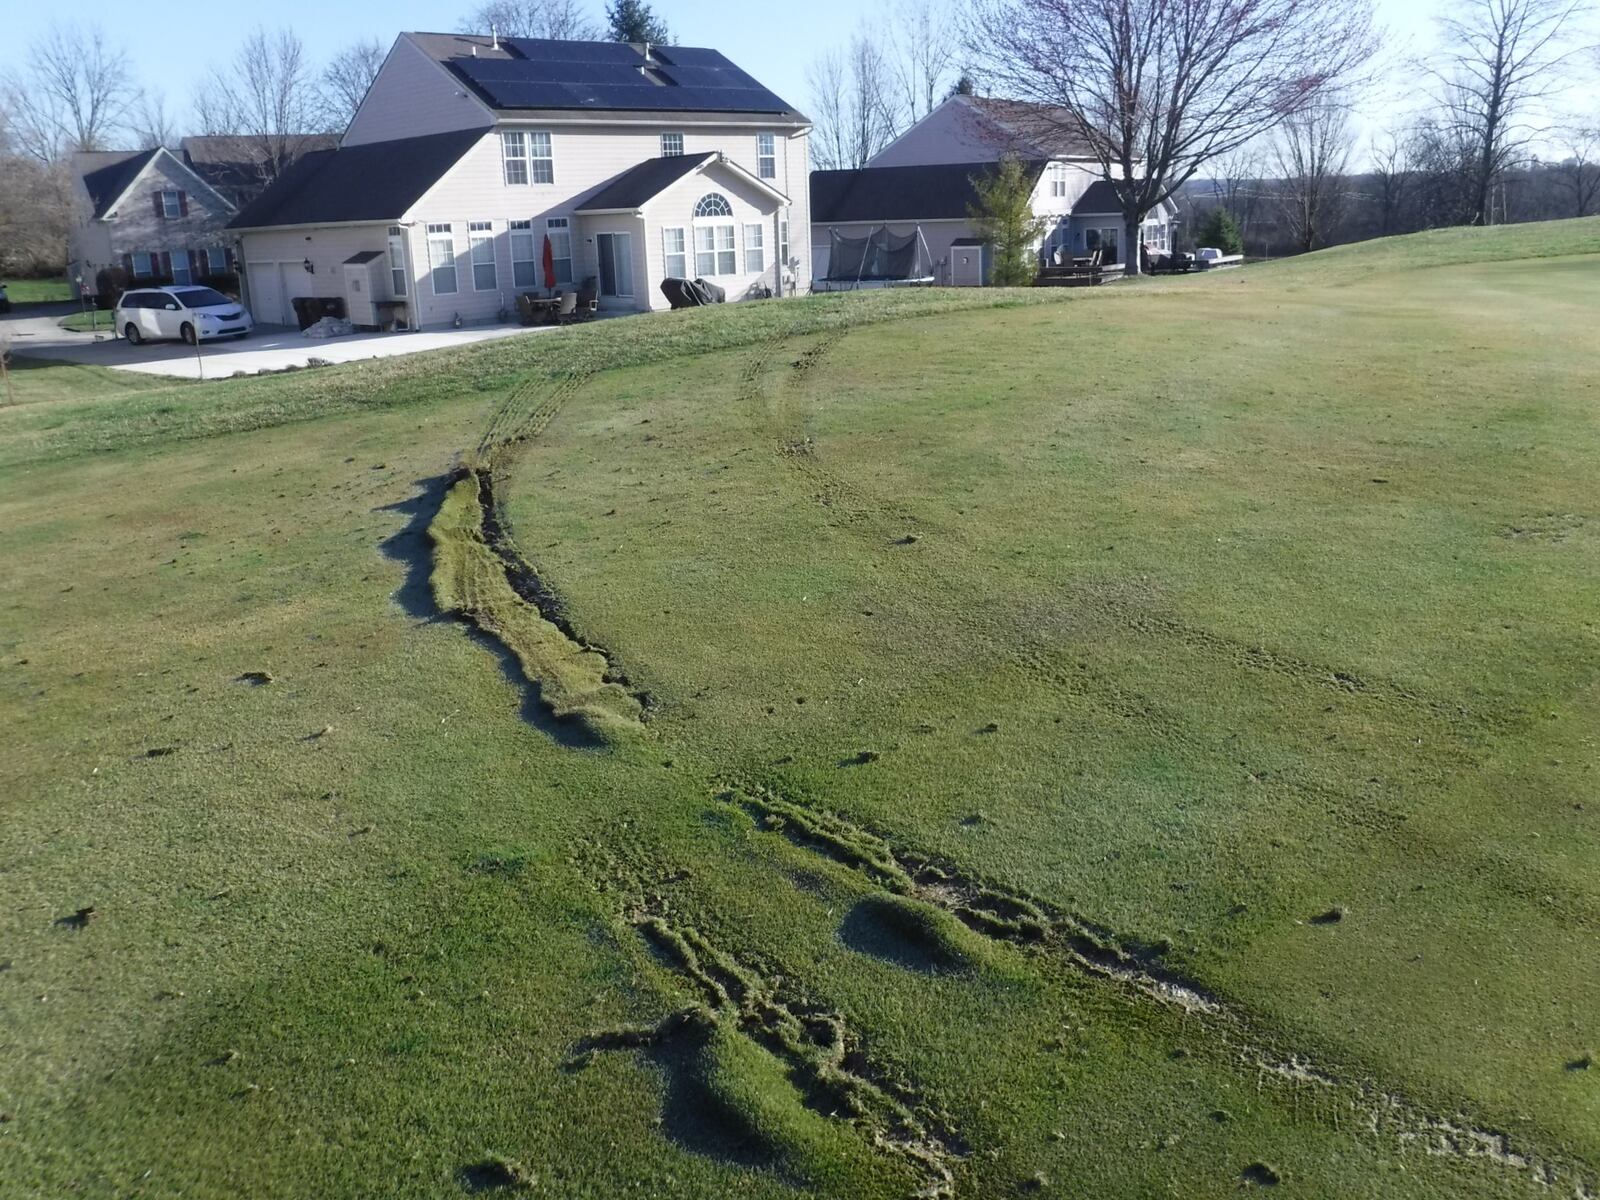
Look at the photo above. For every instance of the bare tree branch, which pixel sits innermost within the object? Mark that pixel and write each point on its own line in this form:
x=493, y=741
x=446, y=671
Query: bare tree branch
x=924, y=55
x=266, y=99
x=152, y=123
x=1312, y=152
x=1502, y=59
x=1157, y=88
x=72, y=96
x=345, y=81
x=563, y=20
x=853, y=101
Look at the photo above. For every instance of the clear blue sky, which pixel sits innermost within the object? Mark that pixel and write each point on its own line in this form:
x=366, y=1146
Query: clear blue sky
x=773, y=41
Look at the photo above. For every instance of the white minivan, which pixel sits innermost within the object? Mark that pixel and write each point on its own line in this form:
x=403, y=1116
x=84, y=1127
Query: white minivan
x=195, y=314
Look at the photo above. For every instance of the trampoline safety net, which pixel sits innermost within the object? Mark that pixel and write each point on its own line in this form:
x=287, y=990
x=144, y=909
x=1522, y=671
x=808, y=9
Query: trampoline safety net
x=880, y=255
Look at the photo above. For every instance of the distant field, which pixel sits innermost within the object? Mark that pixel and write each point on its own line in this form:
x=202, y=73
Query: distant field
x=1136, y=742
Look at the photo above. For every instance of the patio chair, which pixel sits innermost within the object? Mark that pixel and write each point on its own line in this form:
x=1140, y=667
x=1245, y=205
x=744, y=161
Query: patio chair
x=566, y=308
x=525, y=308
x=589, y=298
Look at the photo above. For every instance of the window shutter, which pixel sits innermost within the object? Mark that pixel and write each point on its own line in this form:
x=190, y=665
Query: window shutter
x=161, y=213
x=165, y=269
x=183, y=204
x=127, y=265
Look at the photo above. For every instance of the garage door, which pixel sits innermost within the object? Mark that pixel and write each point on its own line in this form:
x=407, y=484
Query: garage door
x=268, y=305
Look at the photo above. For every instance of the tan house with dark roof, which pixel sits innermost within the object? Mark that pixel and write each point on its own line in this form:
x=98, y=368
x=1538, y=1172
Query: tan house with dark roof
x=635, y=162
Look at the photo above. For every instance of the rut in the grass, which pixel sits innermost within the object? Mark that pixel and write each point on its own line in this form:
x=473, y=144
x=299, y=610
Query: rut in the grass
x=479, y=577
x=1352, y=1104
x=764, y=1065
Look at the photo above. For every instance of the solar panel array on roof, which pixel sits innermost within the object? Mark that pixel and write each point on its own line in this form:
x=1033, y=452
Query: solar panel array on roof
x=615, y=75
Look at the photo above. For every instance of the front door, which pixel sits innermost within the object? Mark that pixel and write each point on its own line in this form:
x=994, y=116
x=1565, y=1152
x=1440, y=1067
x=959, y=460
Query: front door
x=616, y=264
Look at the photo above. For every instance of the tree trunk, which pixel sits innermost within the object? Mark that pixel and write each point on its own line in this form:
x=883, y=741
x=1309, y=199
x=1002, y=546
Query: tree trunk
x=1133, y=245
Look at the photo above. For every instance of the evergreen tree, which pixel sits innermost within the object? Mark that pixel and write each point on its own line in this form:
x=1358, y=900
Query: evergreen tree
x=1004, y=218
x=1220, y=230
x=634, y=21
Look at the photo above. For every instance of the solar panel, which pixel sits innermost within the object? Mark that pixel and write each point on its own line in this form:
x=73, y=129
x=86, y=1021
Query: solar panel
x=607, y=75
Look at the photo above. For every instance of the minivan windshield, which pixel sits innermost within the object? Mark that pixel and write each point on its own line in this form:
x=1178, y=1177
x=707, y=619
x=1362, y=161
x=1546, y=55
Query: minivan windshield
x=201, y=298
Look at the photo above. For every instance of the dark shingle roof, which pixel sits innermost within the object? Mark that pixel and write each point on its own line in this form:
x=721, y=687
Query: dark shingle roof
x=1100, y=199
x=1046, y=128
x=379, y=181
x=238, y=166
x=535, y=73
x=934, y=192
x=638, y=184
x=107, y=175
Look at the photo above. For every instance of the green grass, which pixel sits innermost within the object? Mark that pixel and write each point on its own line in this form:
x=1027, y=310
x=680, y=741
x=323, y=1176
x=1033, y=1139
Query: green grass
x=1004, y=670
x=38, y=291
x=92, y=321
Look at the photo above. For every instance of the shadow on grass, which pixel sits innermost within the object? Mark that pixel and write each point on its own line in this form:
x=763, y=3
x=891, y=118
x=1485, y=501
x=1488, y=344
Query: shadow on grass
x=413, y=550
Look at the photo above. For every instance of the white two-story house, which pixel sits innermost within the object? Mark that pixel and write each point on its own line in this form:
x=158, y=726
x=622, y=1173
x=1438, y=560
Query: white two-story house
x=635, y=163
x=921, y=184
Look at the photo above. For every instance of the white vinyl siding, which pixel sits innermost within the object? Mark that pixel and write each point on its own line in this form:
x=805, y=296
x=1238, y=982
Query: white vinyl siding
x=671, y=145
x=755, y=251
x=397, y=260
x=524, y=256
x=543, y=158
x=675, y=255
x=480, y=237
x=514, y=152
x=442, y=259
x=766, y=156
x=559, y=231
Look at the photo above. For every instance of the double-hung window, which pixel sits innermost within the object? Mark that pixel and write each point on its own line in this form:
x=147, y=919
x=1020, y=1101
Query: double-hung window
x=671, y=145
x=442, y=259
x=144, y=265
x=766, y=156
x=480, y=237
x=514, y=153
x=542, y=158
x=714, y=248
x=182, y=270
x=755, y=248
x=675, y=253
x=524, y=256
x=397, y=260
x=783, y=244
x=171, y=205
x=559, y=231
x=1058, y=181
x=217, y=260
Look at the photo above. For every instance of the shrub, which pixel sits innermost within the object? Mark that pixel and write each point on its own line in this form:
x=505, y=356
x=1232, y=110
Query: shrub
x=1219, y=229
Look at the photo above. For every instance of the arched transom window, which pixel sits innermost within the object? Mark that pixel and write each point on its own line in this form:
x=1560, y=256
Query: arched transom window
x=713, y=204
x=714, y=240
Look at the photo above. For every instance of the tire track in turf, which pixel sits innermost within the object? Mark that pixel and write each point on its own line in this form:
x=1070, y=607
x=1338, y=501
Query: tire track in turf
x=860, y=506
x=1139, y=972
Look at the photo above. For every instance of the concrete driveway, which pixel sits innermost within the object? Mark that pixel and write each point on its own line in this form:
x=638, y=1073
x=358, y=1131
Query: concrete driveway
x=35, y=333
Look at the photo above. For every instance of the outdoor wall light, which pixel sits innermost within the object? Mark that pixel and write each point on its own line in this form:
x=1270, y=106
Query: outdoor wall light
x=310, y=270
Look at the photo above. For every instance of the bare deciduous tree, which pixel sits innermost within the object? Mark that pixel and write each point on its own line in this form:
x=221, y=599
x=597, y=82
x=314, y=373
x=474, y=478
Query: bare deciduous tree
x=266, y=100
x=563, y=20
x=72, y=95
x=152, y=123
x=1155, y=89
x=1312, y=153
x=346, y=78
x=1393, y=175
x=1236, y=185
x=1502, y=58
x=1578, y=172
x=853, y=102
x=35, y=211
x=924, y=58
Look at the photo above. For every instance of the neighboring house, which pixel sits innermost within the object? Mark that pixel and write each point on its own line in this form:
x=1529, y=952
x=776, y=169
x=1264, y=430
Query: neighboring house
x=149, y=213
x=239, y=168
x=636, y=162
x=922, y=183
x=161, y=214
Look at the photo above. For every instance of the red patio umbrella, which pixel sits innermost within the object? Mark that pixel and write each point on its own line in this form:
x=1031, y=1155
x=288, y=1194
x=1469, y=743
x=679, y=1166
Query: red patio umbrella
x=549, y=264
